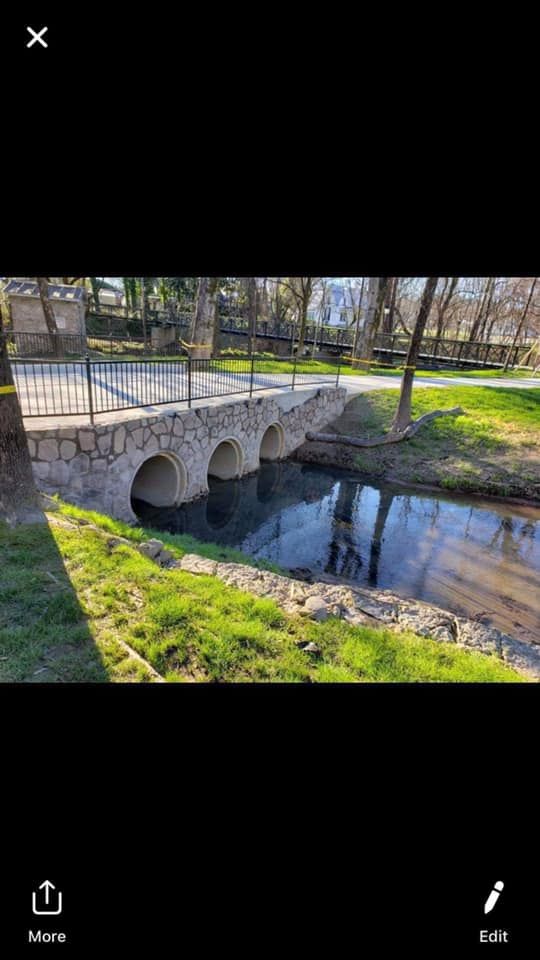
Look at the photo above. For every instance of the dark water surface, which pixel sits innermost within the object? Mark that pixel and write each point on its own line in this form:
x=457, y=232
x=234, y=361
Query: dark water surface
x=475, y=557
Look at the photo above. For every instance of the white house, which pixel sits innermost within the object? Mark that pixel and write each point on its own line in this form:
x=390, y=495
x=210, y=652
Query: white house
x=110, y=298
x=337, y=310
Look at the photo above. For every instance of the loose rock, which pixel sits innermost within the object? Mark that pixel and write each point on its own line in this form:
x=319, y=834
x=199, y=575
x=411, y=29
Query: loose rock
x=312, y=648
x=317, y=608
x=151, y=549
x=192, y=563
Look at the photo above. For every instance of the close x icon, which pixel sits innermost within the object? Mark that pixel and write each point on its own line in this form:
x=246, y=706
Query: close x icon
x=37, y=37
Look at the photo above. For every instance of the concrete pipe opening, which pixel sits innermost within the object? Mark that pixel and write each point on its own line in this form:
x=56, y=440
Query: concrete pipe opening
x=226, y=461
x=160, y=481
x=272, y=443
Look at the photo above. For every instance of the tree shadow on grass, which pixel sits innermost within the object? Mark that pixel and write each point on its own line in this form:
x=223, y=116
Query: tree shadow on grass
x=44, y=632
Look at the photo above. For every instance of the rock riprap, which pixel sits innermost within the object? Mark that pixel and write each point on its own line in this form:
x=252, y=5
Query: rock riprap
x=381, y=608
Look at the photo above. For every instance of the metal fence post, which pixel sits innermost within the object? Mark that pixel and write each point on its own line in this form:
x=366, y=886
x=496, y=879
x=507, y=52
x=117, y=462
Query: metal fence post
x=89, y=383
x=337, y=377
x=251, y=377
x=294, y=371
x=189, y=379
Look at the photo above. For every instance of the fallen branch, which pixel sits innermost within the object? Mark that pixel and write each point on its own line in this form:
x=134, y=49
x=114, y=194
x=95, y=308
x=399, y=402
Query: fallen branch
x=389, y=437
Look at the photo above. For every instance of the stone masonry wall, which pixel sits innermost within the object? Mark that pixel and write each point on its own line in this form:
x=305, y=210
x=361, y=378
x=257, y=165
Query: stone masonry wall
x=27, y=316
x=94, y=466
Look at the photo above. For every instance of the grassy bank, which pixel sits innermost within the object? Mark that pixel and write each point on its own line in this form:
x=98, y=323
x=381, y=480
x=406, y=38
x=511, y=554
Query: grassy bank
x=78, y=606
x=518, y=374
x=494, y=449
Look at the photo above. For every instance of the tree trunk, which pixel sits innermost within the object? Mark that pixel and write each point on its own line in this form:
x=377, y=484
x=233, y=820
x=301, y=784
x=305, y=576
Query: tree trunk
x=395, y=284
x=358, y=318
x=264, y=306
x=520, y=326
x=365, y=348
x=381, y=303
x=409, y=431
x=127, y=292
x=19, y=501
x=144, y=304
x=480, y=312
x=389, y=299
x=43, y=288
x=402, y=417
x=487, y=309
x=303, y=304
x=203, y=330
x=94, y=282
x=252, y=313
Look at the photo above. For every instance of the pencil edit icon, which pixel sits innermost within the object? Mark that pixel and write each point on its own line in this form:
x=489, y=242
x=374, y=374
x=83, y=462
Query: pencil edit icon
x=494, y=896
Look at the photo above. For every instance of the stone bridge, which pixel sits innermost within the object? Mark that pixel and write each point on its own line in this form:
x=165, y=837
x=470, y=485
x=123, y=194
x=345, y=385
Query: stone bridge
x=166, y=459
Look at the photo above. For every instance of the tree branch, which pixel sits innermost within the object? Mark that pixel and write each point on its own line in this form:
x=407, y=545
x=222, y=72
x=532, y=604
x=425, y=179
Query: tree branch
x=389, y=437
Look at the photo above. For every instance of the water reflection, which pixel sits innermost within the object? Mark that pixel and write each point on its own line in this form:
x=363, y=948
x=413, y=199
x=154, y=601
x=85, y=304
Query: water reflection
x=222, y=503
x=475, y=557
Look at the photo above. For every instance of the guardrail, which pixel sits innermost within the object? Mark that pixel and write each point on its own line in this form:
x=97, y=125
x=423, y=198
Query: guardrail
x=91, y=387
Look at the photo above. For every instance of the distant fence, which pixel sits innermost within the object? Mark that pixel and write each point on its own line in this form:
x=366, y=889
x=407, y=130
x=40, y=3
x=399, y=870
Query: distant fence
x=58, y=388
x=60, y=346
x=390, y=348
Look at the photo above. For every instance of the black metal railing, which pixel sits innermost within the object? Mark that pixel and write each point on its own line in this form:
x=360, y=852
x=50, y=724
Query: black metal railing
x=71, y=346
x=389, y=348
x=59, y=345
x=90, y=387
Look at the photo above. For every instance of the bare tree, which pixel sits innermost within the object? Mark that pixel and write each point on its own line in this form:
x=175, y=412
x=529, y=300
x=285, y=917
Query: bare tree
x=473, y=333
x=402, y=417
x=302, y=289
x=443, y=304
x=520, y=324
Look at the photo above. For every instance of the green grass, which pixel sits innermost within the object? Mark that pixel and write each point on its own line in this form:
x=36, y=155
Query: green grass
x=178, y=543
x=519, y=373
x=494, y=449
x=267, y=363
x=71, y=601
